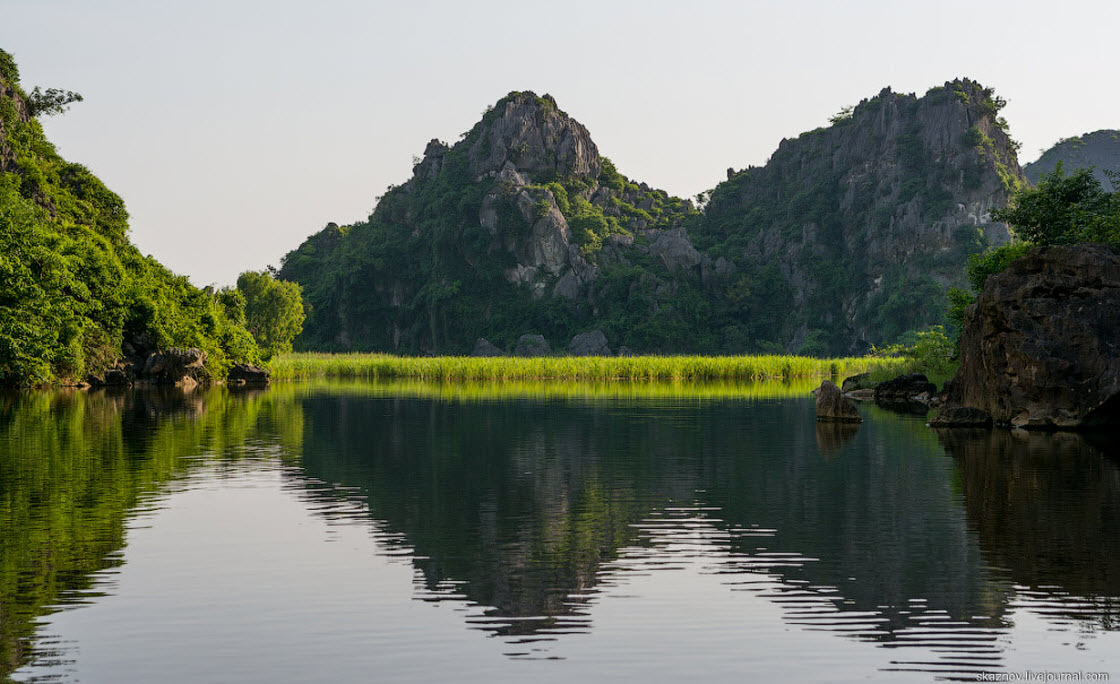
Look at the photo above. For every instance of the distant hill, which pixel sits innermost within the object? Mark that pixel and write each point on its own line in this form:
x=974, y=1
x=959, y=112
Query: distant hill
x=1100, y=149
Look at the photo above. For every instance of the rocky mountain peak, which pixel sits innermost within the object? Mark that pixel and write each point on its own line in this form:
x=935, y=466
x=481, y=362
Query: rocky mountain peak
x=535, y=138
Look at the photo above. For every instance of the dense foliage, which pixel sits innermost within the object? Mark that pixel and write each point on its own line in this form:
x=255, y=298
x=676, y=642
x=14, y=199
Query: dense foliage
x=75, y=294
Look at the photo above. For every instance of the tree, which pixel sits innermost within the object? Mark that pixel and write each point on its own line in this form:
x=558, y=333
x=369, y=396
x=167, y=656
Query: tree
x=1064, y=210
x=273, y=310
x=51, y=101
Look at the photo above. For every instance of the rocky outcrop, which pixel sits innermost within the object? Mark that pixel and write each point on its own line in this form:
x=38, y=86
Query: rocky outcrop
x=860, y=381
x=675, y=250
x=531, y=134
x=248, y=375
x=1041, y=346
x=833, y=406
x=592, y=343
x=532, y=345
x=179, y=367
x=961, y=416
x=904, y=389
x=1099, y=150
x=483, y=347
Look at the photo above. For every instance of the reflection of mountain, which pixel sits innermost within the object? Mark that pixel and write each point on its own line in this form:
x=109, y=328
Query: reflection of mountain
x=517, y=505
x=73, y=465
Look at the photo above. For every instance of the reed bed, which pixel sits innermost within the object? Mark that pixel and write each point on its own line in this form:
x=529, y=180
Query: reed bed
x=558, y=390
x=308, y=366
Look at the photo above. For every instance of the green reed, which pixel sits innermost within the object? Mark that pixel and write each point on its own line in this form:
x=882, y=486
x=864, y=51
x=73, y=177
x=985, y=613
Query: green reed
x=306, y=366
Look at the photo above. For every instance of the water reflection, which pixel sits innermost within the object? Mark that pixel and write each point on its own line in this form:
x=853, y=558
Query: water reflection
x=529, y=504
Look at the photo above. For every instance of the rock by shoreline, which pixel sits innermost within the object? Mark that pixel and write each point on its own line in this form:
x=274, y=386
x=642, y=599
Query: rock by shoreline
x=1040, y=348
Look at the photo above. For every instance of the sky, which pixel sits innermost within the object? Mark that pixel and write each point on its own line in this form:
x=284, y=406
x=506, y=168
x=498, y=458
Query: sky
x=234, y=129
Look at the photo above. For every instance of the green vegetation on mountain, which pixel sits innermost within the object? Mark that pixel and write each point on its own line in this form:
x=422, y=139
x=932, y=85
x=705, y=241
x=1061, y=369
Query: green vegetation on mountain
x=848, y=237
x=75, y=294
x=858, y=229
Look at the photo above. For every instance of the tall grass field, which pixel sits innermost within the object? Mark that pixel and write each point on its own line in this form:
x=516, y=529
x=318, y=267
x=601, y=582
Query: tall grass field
x=307, y=366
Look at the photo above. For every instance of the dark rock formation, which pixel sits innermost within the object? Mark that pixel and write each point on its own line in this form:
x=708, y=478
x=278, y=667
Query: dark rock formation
x=1041, y=346
x=626, y=351
x=180, y=367
x=185, y=367
x=857, y=382
x=914, y=387
x=532, y=345
x=483, y=347
x=833, y=406
x=592, y=343
x=1099, y=150
x=247, y=374
x=961, y=416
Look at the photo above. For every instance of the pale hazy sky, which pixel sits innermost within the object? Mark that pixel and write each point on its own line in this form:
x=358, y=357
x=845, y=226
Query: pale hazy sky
x=234, y=129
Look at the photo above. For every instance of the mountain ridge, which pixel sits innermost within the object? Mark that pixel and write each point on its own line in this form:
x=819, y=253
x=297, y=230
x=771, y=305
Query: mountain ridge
x=523, y=227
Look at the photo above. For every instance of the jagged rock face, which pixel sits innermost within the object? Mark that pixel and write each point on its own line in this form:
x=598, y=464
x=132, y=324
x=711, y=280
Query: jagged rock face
x=1041, y=346
x=1099, y=150
x=893, y=197
x=532, y=135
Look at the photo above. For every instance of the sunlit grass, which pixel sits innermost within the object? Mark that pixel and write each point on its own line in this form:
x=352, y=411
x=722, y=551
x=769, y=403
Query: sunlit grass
x=307, y=366
x=470, y=391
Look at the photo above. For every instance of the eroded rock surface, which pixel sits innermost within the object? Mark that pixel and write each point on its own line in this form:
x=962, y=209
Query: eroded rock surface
x=833, y=406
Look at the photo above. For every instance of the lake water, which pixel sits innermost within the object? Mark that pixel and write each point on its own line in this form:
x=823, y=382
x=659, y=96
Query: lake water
x=412, y=532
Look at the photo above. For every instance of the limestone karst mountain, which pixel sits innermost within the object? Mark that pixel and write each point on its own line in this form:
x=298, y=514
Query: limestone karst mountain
x=849, y=236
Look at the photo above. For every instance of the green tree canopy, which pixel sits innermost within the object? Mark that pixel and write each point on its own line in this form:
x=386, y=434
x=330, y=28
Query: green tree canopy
x=1065, y=210
x=273, y=310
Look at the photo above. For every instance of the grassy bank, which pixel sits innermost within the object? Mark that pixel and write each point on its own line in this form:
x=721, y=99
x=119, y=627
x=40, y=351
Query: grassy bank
x=307, y=366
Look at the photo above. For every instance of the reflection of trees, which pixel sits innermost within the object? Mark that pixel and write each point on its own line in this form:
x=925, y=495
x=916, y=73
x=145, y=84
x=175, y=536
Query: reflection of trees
x=72, y=466
x=522, y=504
x=1046, y=508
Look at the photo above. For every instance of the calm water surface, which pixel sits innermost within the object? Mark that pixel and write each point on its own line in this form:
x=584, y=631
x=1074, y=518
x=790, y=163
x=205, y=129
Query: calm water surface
x=408, y=532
